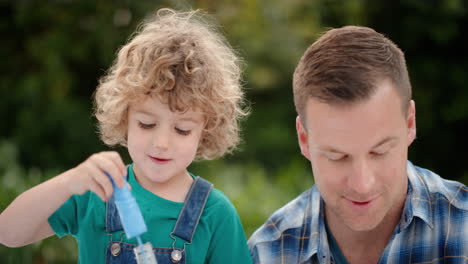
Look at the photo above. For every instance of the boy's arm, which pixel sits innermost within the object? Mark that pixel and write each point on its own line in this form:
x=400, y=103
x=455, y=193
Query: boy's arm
x=229, y=244
x=25, y=220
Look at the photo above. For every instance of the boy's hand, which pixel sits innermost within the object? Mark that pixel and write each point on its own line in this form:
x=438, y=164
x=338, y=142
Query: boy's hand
x=90, y=175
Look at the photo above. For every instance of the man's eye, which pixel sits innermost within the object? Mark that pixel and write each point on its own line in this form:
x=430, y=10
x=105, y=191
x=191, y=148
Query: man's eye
x=378, y=154
x=337, y=157
x=145, y=126
x=183, y=132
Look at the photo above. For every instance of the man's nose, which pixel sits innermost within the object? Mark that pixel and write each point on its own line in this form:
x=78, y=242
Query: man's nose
x=362, y=178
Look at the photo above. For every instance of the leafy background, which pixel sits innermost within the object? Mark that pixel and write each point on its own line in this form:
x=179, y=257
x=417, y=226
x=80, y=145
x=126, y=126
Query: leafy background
x=53, y=52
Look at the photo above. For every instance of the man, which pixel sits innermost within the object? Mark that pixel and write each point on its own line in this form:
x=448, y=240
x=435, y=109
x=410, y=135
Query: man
x=355, y=123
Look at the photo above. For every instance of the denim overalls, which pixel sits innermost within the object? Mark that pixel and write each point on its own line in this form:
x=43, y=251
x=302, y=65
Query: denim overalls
x=120, y=252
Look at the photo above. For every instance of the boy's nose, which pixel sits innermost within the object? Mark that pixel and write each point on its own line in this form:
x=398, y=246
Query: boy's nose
x=161, y=138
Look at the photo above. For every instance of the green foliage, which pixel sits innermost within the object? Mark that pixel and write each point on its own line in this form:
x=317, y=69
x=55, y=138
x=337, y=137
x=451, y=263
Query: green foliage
x=254, y=191
x=14, y=180
x=54, y=52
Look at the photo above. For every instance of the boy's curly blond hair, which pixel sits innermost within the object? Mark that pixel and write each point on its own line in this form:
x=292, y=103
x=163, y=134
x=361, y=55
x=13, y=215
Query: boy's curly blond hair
x=186, y=63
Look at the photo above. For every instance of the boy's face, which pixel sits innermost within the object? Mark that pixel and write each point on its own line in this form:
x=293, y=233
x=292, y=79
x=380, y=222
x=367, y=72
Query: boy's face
x=162, y=143
x=358, y=155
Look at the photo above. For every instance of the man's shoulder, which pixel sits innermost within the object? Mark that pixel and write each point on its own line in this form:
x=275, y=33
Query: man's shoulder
x=439, y=190
x=288, y=218
x=439, y=229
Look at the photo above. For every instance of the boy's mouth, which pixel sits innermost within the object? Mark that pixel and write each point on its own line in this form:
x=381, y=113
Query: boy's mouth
x=159, y=160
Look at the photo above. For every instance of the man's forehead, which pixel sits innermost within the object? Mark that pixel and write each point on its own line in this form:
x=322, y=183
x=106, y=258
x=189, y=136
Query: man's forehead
x=385, y=92
x=365, y=122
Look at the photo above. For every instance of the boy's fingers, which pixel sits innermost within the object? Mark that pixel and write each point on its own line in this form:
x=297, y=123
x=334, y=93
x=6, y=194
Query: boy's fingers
x=95, y=188
x=105, y=163
x=121, y=171
x=105, y=183
x=102, y=180
x=119, y=163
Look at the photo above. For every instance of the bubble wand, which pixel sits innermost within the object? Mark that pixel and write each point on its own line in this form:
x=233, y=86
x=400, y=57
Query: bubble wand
x=132, y=222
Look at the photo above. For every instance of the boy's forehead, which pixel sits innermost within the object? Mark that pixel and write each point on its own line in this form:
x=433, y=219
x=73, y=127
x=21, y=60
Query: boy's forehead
x=153, y=107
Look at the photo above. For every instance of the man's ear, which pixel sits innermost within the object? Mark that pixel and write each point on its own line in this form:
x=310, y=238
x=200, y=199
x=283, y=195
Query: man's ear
x=411, y=122
x=302, y=138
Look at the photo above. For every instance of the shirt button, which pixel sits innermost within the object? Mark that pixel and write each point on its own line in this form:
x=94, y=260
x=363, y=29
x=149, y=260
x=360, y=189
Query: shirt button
x=115, y=249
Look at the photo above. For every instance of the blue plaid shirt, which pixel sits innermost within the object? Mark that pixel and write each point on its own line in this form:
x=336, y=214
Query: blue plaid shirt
x=433, y=227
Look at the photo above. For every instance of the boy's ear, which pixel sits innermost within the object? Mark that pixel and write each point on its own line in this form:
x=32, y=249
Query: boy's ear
x=302, y=138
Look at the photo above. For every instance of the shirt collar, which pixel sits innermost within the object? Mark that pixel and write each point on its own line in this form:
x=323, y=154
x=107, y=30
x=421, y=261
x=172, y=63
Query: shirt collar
x=315, y=216
x=417, y=204
x=418, y=201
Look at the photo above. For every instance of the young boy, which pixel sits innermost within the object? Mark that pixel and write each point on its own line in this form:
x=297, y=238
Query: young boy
x=172, y=96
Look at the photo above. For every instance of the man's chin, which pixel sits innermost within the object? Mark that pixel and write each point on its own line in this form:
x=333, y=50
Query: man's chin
x=362, y=224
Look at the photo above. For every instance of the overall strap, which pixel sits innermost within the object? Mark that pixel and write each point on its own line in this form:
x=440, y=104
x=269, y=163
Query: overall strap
x=113, y=222
x=193, y=207
x=112, y=217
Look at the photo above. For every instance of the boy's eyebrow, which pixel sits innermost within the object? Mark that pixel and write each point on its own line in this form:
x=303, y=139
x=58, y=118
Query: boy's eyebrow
x=142, y=111
x=190, y=119
x=187, y=118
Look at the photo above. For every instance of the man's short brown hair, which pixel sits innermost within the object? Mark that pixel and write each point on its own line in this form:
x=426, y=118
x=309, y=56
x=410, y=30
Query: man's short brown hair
x=344, y=66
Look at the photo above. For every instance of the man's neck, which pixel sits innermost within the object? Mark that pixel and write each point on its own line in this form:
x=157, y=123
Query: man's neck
x=364, y=246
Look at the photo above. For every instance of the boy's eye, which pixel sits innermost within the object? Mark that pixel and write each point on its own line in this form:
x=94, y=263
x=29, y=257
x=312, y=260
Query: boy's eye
x=145, y=126
x=183, y=132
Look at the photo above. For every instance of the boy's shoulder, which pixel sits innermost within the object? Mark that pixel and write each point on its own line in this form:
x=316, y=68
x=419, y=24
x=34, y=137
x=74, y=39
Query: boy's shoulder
x=219, y=209
x=218, y=201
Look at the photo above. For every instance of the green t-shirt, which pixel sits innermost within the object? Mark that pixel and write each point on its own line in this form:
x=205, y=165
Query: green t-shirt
x=219, y=237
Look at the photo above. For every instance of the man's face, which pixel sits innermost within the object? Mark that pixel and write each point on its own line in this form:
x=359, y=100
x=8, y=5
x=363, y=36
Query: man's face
x=358, y=155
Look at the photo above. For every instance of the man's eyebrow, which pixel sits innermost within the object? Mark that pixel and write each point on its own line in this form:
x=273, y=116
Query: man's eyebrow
x=380, y=143
x=384, y=141
x=330, y=149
